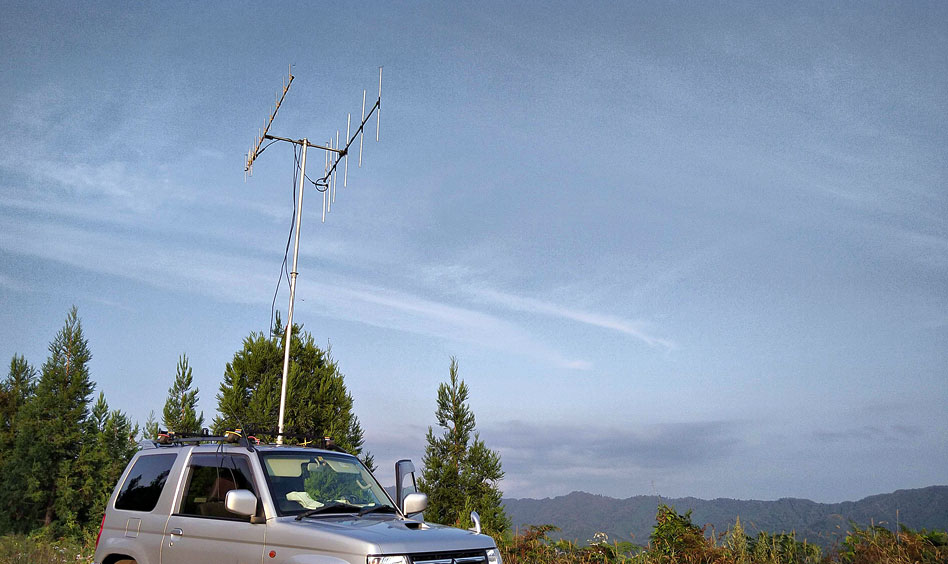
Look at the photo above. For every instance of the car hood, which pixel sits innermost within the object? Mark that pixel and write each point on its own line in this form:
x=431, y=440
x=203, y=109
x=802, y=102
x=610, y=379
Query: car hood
x=373, y=535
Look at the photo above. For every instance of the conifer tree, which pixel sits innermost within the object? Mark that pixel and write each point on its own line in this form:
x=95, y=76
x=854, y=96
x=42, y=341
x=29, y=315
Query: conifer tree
x=150, y=432
x=15, y=391
x=460, y=473
x=50, y=429
x=180, y=413
x=318, y=403
x=106, y=450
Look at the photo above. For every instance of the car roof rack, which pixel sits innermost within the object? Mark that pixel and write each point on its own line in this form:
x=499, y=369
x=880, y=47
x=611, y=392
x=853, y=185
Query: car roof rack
x=245, y=438
x=168, y=438
x=307, y=440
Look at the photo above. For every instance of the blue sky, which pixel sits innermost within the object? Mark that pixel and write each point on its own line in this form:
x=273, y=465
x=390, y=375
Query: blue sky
x=678, y=248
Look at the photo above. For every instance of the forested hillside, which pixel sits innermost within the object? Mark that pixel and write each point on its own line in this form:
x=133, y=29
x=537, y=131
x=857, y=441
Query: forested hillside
x=580, y=515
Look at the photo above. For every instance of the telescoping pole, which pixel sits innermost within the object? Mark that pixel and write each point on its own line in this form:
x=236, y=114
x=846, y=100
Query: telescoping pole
x=293, y=273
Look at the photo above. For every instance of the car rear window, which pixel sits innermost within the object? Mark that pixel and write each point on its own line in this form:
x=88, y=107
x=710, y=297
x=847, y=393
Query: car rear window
x=144, y=483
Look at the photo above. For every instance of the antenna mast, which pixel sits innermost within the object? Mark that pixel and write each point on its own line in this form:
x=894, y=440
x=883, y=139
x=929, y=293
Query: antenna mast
x=326, y=185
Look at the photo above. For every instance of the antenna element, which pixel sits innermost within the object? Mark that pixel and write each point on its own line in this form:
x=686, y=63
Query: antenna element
x=326, y=185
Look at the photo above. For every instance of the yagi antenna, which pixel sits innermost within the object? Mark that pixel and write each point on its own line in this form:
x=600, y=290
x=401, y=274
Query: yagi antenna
x=326, y=185
x=255, y=149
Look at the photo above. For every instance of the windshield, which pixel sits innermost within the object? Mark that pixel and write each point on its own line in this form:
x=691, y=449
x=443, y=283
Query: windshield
x=302, y=482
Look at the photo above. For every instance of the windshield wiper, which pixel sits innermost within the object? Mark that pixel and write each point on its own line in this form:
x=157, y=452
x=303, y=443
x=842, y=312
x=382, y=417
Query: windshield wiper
x=376, y=508
x=345, y=507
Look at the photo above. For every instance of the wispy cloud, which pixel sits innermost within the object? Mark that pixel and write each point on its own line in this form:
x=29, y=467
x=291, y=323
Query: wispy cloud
x=178, y=266
x=635, y=329
x=394, y=309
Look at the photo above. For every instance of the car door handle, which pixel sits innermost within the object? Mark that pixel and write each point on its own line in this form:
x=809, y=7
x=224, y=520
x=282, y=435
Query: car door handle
x=177, y=532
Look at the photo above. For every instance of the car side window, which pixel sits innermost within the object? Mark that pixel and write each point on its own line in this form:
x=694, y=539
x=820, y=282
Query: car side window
x=211, y=476
x=144, y=483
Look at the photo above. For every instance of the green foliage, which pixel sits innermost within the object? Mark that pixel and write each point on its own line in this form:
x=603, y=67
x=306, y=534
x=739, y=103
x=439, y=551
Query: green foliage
x=460, y=473
x=150, y=432
x=318, y=403
x=675, y=535
x=783, y=548
x=936, y=538
x=109, y=445
x=678, y=541
x=50, y=430
x=15, y=391
x=63, y=458
x=878, y=545
x=180, y=413
x=534, y=546
x=40, y=549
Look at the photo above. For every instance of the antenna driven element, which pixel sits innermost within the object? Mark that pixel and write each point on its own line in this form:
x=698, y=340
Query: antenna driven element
x=326, y=185
x=328, y=181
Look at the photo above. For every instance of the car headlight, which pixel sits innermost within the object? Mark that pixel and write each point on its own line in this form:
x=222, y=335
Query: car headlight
x=387, y=560
x=493, y=556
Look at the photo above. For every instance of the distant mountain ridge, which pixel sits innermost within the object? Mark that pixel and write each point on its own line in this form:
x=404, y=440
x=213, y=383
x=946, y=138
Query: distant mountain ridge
x=580, y=515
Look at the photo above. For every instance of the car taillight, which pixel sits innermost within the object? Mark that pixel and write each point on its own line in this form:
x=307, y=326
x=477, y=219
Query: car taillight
x=98, y=536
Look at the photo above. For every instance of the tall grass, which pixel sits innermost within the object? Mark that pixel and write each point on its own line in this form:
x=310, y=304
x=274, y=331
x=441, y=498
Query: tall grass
x=675, y=540
x=39, y=549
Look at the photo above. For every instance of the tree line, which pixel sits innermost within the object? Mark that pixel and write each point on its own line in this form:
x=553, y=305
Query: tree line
x=61, y=452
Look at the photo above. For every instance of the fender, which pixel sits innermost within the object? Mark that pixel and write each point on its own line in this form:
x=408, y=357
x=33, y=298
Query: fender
x=126, y=546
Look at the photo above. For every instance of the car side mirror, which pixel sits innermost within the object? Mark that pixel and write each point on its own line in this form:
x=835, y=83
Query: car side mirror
x=476, y=519
x=241, y=502
x=414, y=503
x=404, y=471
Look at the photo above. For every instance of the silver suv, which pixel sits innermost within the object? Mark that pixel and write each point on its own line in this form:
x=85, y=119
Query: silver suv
x=188, y=502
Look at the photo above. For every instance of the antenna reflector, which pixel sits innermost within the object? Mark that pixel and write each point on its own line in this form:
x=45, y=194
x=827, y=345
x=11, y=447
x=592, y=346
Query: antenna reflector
x=328, y=192
x=336, y=161
x=361, y=129
x=345, y=174
x=378, y=116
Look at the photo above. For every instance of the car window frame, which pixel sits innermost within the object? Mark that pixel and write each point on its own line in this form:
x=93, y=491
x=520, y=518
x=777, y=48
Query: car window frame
x=263, y=454
x=130, y=476
x=189, y=473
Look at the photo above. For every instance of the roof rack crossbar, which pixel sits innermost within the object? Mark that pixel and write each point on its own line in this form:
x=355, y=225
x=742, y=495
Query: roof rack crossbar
x=170, y=437
x=307, y=439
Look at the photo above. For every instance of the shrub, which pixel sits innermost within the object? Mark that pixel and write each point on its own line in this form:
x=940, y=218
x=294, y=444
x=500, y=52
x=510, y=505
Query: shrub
x=38, y=549
x=878, y=545
x=676, y=539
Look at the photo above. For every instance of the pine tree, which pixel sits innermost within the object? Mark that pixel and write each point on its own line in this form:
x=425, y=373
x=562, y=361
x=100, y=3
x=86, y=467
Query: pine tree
x=460, y=474
x=180, y=413
x=106, y=450
x=318, y=403
x=15, y=391
x=150, y=432
x=50, y=429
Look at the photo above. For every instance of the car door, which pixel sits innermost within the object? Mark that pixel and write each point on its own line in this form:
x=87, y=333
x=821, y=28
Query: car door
x=201, y=529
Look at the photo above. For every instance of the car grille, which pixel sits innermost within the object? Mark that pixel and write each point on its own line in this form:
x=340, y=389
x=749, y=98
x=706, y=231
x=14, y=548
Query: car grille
x=464, y=557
